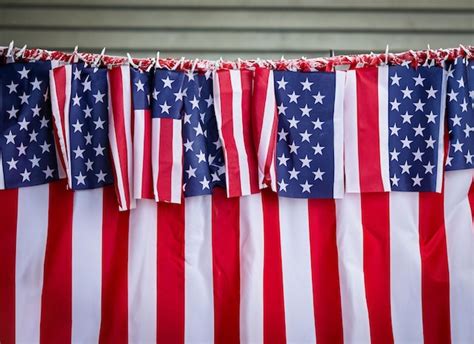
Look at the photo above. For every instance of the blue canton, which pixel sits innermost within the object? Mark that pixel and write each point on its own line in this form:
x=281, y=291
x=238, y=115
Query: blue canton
x=88, y=128
x=415, y=98
x=305, y=142
x=26, y=142
x=141, y=85
x=167, y=94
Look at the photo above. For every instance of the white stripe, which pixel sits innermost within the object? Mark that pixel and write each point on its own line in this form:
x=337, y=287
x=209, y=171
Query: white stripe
x=460, y=246
x=67, y=105
x=155, y=154
x=383, y=125
x=177, y=168
x=405, y=268
x=442, y=109
x=339, y=135
x=32, y=231
x=355, y=317
x=127, y=103
x=86, y=266
x=142, y=273
x=351, y=146
x=199, y=306
x=266, y=130
x=138, y=152
x=2, y=178
x=238, y=126
x=61, y=172
x=296, y=268
x=251, y=269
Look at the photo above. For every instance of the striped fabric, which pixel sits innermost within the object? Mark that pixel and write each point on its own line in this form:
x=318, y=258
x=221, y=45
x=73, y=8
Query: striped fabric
x=256, y=269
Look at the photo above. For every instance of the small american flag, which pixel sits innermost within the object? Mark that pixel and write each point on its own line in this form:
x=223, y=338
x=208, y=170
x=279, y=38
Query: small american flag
x=79, y=100
x=27, y=147
x=460, y=113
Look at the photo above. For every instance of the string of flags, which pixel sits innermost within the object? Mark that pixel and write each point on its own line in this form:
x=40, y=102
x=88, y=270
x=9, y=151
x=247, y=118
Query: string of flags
x=306, y=128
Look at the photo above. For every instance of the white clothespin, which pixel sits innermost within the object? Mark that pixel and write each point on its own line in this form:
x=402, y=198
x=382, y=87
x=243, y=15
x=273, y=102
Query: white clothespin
x=74, y=56
x=99, y=58
x=178, y=63
x=239, y=63
x=157, y=60
x=130, y=61
x=386, y=54
x=193, y=67
x=20, y=52
x=9, y=55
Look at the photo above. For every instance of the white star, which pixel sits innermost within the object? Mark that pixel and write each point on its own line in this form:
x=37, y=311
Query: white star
x=198, y=130
x=293, y=148
x=79, y=152
x=87, y=112
x=406, y=142
x=45, y=147
x=293, y=123
x=467, y=130
x=77, y=126
x=191, y=172
x=165, y=108
x=395, y=180
x=205, y=183
x=187, y=118
x=155, y=94
x=318, y=149
x=394, y=129
x=195, y=103
x=89, y=164
x=456, y=120
x=468, y=157
x=453, y=96
x=282, y=185
x=87, y=84
x=24, y=73
x=294, y=174
x=99, y=97
x=10, y=138
x=80, y=179
x=407, y=93
x=167, y=82
x=76, y=100
x=405, y=168
x=201, y=157
x=23, y=124
x=12, y=164
x=36, y=110
x=99, y=123
x=12, y=87
x=418, y=130
x=215, y=177
x=305, y=111
x=419, y=105
x=44, y=122
x=305, y=136
x=306, y=187
x=13, y=113
x=306, y=85
x=430, y=142
x=33, y=136
x=21, y=149
x=34, y=161
x=418, y=154
x=406, y=117
x=318, y=98
x=188, y=145
x=282, y=134
x=448, y=160
x=394, y=155
x=293, y=97
x=48, y=172
x=460, y=82
x=417, y=180
x=101, y=176
x=431, y=117
x=36, y=84
x=140, y=86
x=419, y=80
x=281, y=109
x=306, y=161
x=429, y=168
x=464, y=105
x=318, y=124
x=88, y=138
x=209, y=101
x=449, y=72
x=395, y=79
x=24, y=98
x=318, y=174
x=217, y=143
x=457, y=146
x=395, y=104
x=282, y=160
x=99, y=150
x=77, y=74
x=431, y=92
x=282, y=83
x=25, y=175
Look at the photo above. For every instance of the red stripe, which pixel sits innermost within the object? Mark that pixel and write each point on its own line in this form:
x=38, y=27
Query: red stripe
x=434, y=269
x=273, y=300
x=8, y=221
x=325, y=271
x=230, y=147
x=114, y=323
x=59, y=75
x=367, y=130
x=118, y=113
x=147, y=175
x=471, y=198
x=165, y=163
x=376, y=241
x=170, y=273
x=246, y=79
x=226, y=267
x=56, y=299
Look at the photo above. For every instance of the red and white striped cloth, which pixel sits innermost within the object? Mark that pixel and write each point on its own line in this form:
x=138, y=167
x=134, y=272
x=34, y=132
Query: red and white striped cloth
x=120, y=134
x=367, y=268
x=232, y=103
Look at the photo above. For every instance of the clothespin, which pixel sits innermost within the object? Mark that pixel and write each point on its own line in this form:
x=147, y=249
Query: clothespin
x=157, y=60
x=9, y=55
x=386, y=54
x=193, y=67
x=20, y=52
x=99, y=58
x=332, y=53
x=73, y=57
x=178, y=63
x=130, y=61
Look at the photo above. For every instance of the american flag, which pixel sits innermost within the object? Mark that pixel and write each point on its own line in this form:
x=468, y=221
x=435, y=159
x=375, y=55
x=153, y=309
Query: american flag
x=27, y=147
x=460, y=113
x=394, y=128
x=310, y=136
x=80, y=111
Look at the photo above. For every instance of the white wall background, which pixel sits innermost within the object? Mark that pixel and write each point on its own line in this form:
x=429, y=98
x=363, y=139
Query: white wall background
x=237, y=28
